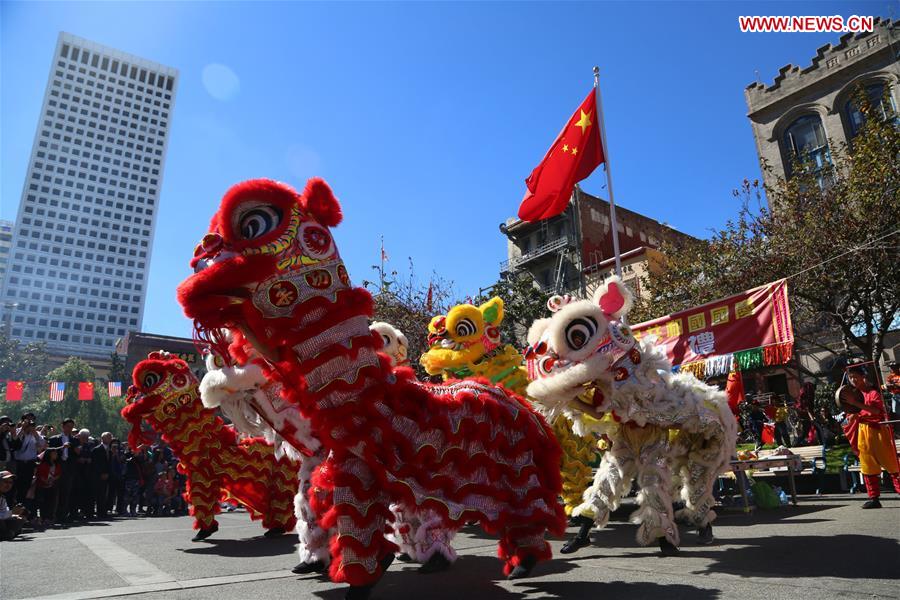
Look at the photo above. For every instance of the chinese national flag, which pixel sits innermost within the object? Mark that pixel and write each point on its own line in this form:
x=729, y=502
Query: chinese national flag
x=86, y=390
x=14, y=391
x=572, y=157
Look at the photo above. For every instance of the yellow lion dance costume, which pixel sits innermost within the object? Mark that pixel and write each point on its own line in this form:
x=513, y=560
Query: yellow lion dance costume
x=465, y=343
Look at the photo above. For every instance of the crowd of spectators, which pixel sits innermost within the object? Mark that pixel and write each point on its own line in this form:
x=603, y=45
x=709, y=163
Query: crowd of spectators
x=59, y=479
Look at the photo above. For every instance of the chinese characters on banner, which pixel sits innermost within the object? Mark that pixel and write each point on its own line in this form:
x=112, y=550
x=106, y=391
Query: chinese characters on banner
x=753, y=319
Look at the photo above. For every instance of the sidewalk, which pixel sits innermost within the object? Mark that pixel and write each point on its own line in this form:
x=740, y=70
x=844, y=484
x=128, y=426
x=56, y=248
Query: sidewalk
x=826, y=547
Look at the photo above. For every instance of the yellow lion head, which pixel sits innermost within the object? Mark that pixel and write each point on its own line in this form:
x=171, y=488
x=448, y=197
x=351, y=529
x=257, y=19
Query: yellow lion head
x=462, y=337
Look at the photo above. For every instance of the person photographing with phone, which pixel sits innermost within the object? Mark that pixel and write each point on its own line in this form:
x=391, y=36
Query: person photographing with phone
x=28, y=443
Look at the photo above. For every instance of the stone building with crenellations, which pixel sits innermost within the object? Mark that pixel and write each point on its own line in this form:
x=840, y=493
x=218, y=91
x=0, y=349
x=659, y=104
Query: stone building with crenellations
x=807, y=112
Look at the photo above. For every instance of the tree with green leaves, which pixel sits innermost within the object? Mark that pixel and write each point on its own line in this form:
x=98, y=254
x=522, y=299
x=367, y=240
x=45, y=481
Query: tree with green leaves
x=523, y=304
x=833, y=231
x=409, y=304
x=100, y=414
x=117, y=370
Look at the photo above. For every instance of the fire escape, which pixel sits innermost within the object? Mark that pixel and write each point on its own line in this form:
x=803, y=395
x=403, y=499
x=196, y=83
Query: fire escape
x=559, y=247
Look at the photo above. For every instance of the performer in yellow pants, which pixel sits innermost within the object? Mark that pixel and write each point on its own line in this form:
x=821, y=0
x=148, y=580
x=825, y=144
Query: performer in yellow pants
x=874, y=442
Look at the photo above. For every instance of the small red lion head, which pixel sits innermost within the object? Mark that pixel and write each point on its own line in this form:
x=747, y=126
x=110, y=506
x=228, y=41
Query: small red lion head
x=163, y=388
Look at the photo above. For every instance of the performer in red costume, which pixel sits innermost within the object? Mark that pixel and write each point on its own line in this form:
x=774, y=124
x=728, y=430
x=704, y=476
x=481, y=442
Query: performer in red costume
x=269, y=271
x=872, y=442
x=217, y=464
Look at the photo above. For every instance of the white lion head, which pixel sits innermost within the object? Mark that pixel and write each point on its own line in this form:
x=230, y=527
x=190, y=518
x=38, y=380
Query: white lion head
x=576, y=353
x=396, y=346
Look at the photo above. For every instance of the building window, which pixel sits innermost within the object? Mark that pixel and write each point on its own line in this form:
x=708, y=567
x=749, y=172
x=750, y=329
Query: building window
x=885, y=110
x=805, y=141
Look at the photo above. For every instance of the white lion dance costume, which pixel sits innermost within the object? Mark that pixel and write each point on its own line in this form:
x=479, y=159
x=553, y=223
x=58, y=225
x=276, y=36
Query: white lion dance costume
x=669, y=432
x=395, y=344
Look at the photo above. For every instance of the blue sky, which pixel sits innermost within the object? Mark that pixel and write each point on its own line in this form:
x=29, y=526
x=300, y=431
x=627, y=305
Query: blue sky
x=424, y=117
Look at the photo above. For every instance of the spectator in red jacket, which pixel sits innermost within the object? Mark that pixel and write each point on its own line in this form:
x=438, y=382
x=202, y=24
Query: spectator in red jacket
x=47, y=481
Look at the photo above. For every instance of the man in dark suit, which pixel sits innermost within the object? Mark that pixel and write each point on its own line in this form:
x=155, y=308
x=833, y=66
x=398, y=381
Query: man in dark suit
x=69, y=448
x=101, y=459
x=83, y=488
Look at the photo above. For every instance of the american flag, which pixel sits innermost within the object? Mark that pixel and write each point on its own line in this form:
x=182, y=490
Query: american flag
x=57, y=389
x=115, y=389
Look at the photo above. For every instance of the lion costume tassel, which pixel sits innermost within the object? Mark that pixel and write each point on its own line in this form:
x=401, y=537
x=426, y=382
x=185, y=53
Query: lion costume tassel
x=269, y=271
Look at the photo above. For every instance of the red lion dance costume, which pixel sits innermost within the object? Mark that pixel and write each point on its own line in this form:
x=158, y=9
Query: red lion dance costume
x=269, y=272
x=216, y=462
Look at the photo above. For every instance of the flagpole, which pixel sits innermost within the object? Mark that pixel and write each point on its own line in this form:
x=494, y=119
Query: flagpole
x=381, y=270
x=609, y=181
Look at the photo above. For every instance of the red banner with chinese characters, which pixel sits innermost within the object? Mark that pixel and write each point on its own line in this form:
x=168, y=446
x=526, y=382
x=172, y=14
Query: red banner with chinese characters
x=757, y=318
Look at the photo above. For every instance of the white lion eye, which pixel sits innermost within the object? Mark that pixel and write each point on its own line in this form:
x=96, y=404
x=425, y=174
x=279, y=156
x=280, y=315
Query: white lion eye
x=259, y=221
x=465, y=327
x=385, y=340
x=579, y=331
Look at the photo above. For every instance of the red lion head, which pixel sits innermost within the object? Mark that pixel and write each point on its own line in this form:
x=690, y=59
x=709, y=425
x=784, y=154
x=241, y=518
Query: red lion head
x=268, y=250
x=164, y=388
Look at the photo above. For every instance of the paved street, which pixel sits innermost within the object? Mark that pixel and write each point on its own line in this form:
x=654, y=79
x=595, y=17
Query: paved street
x=827, y=547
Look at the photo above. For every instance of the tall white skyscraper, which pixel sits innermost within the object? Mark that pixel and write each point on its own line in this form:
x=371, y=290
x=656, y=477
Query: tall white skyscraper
x=78, y=265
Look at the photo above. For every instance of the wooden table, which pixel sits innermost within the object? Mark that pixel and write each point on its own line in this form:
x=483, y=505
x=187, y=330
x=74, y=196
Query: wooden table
x=792, y=463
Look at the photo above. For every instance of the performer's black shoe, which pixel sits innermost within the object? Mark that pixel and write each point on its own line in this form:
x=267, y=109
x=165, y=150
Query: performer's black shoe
x=582, y=539
x=523, y=569
x=274, y=532
x=202, y=534
x=317, y=566
x=575, y=544
x=386, y=561
x=362, y=592
x=437, y=563
x=667, y=548
x=404, y=557
x=873, y=503
x=706, y=535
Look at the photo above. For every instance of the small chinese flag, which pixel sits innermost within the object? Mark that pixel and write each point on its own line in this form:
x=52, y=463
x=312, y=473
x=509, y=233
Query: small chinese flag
x=572, y=157
x=86, y=390
x=14, y=391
